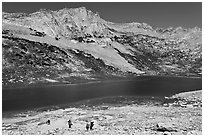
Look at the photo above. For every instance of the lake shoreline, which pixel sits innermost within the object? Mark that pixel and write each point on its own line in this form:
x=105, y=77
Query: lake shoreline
x=138, y=119
x=37, y=97
x=99, y=81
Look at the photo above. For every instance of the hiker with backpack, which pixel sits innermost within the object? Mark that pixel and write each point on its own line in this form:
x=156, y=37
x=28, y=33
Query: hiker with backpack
x=87, y=126
x=69, y=123
x=91, y=125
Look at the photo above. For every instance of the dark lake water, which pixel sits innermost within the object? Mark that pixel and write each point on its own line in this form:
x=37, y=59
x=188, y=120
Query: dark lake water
x=35, y=97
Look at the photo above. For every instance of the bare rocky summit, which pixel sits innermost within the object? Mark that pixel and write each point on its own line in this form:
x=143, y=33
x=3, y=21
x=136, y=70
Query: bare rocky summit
x=76, y=45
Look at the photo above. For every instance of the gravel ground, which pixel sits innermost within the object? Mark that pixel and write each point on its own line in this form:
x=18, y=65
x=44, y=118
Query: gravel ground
x=180, y=114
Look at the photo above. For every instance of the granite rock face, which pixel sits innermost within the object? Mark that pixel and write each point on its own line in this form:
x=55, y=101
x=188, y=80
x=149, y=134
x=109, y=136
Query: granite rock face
x=75, y=45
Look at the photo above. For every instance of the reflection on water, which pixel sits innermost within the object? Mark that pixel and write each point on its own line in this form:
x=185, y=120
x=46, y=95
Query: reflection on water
x=27, y=98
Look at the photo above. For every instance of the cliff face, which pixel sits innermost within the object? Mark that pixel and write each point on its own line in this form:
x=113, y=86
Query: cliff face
x=72, y=45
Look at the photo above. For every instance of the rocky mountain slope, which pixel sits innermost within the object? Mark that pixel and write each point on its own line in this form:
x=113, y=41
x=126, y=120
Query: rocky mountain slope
x=75, y=45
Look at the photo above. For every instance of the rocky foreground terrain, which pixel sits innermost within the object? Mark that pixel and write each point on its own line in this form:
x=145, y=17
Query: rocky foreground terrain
x=76, y=45
x=180, y=114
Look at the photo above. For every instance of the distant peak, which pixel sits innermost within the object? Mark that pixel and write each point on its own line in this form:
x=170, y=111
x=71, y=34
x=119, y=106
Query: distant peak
x=82, y=8
x=44, y=10
x=76, y=9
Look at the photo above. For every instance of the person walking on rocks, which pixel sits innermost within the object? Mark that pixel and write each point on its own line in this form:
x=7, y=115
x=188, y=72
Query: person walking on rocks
x=70, y=123
x=48, y=122
x=91, y=125
x=87, y=126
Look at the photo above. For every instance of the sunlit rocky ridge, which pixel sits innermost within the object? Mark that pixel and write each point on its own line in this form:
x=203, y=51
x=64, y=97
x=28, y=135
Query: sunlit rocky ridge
x=75, y=45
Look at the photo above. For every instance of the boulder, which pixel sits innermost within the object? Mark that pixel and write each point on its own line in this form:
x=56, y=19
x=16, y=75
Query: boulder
x=167, y=133
x=165, y=127
x=194, y=132
x=166, y=105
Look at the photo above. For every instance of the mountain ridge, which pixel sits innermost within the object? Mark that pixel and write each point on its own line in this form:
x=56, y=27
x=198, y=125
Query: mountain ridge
x=76, y=44
x=64, y=9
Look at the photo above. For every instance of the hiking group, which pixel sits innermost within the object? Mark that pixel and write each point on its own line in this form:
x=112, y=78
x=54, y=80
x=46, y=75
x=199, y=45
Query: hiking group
x=89, y=125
